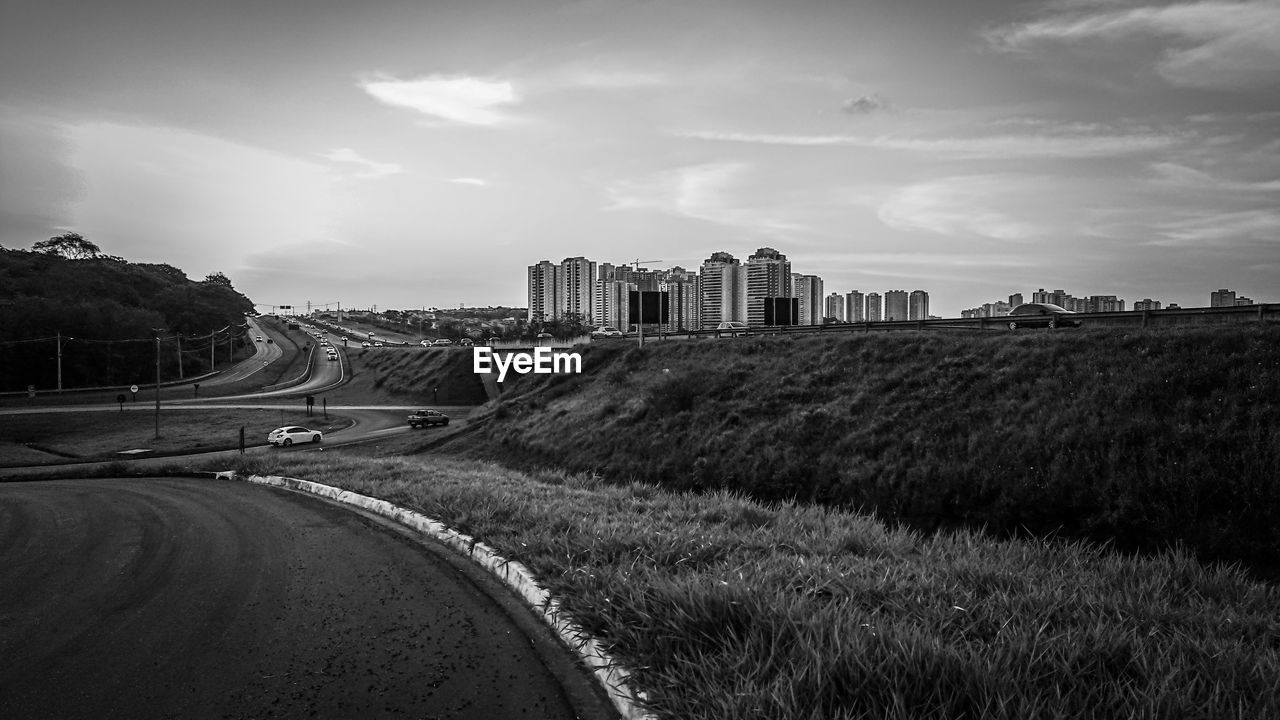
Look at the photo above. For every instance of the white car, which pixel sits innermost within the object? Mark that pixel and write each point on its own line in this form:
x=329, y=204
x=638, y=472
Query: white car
x=732, y=328
x=605, y=332
x=287, y=436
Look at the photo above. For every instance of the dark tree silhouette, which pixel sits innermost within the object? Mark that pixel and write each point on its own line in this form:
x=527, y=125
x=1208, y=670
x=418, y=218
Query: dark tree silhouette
x=70, y=245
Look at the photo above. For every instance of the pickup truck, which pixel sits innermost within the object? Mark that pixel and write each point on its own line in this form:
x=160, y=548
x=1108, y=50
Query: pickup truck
x=423, y=418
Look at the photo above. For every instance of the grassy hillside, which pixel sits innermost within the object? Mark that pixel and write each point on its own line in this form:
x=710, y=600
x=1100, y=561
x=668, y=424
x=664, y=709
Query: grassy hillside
x=1141, y=438
x=411, y=374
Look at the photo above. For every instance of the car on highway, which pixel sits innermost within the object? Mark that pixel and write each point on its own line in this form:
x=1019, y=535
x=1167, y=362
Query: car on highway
x=442, y=342
x=286, y=436
x=732, y=328
x=424, y=418
x=466, y=342
x=259, y=338
x=606, y=332
x=1043, y=315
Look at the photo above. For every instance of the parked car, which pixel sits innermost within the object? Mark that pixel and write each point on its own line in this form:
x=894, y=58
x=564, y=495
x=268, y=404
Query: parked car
x=732, y=328
x=442, y=342
x=287, y=436
x=423, y=418
x=1045, y=315
x=606, y=332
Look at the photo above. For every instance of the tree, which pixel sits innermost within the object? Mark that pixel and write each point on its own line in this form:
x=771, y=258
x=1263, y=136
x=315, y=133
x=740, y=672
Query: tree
x=217, y=278
x=70, y=245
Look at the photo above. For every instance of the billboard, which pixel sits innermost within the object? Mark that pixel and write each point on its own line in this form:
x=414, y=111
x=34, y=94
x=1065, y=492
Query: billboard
x=654, y=302
x=781, y=310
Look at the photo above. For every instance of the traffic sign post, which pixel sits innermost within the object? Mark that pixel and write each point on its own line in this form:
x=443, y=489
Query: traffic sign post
x=120, y=399
x=134, y=389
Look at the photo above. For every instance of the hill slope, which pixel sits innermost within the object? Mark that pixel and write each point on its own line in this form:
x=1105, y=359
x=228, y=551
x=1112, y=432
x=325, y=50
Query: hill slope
x=1143, y=438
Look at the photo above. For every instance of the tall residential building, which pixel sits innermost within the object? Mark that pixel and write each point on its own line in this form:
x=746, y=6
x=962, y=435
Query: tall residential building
x=873, y=307
x=542, y=291
x=768, y=276
x=604, y=271
x=807, y=289
x=918, y=305
x=722, y=293
x=1146, y=304
x=1104, y=304
x=896, y=305
x=855, y=306
x=1015, y=300
x=575, y=289
x=835, y=307
x=1222, y=298
x=683, y=299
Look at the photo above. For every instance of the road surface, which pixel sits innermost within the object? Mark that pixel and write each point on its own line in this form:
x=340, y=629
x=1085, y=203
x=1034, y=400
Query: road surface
x=149, y=598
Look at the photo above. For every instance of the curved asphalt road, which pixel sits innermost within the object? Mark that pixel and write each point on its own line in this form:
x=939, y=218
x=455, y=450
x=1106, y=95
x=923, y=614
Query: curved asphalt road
x=194, y=598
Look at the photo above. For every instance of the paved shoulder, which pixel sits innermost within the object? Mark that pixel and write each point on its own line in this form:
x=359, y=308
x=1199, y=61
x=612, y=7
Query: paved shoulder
x=192, y=598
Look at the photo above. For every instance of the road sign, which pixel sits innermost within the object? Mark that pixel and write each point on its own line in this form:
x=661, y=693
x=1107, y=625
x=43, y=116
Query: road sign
x=133, y=388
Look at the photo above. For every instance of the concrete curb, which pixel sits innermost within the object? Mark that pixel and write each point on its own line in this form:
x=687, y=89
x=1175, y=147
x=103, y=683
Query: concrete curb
x=612, y=677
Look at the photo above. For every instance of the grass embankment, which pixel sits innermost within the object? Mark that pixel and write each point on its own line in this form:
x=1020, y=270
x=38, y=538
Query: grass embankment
x=411, y=375
x=1140, y=438
x=105, y=435
x=723, y=607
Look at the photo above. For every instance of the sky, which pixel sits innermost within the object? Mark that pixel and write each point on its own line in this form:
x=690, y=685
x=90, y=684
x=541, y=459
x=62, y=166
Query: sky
x=404, y=154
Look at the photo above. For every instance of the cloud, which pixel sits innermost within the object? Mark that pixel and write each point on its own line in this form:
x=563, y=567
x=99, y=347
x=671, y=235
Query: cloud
x=957, y=206
x=865, y=105
x=1221, y=229
x=1003, y=146
x=462, y=100
x=469, y=181
x=372, y=170
x=1209, y=44
x=1181, y=176
x=711, y=192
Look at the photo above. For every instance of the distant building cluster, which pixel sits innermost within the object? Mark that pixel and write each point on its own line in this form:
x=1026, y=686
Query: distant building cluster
x=1095, y=303
x=762, y=291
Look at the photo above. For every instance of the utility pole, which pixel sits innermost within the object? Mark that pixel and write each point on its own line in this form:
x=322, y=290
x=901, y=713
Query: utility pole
x=59, y=361
x=157, y=331
x=212, y=345
x=178, y=337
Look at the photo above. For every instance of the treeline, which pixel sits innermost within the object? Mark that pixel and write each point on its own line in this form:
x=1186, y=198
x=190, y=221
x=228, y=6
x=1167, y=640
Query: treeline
x=1142, y=439
x=102, y=313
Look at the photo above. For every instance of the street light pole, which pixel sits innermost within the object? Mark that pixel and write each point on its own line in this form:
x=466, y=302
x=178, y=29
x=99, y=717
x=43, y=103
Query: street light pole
x=157, y=331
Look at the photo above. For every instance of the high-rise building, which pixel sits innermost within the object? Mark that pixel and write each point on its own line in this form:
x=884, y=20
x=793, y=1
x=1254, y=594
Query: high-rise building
x=683, y=298
x=1015, y=300
x=896, y=305
x=873, y=307
x=1146, y=304
x=542, y=291
x=575, y=289
x=1222, y=298
x=1104, y=304
x=855, y=306
x=722, y=292
x=807, y=289
x=835, y=307
x=918, y=305
x=768, y=276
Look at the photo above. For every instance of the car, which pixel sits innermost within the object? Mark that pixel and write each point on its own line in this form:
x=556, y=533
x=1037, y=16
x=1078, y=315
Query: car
x=606, y=332
x=1045, y=315
x=442, y=342
x=423, y=418
x=732, y=328
x=364, y=344
x=466, y=342
x=543, y=337
x=259, y=338
x=286, y=436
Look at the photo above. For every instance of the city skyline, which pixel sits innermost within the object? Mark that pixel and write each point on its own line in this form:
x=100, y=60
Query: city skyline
x=411, y=155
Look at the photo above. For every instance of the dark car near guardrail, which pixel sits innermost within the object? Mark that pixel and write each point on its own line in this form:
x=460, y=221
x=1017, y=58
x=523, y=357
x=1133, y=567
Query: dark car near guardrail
x=1043, y=315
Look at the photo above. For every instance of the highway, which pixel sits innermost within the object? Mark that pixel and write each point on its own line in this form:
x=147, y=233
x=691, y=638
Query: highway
x=164, y=597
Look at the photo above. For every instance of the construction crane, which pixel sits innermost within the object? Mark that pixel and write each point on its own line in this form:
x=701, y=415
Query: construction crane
x=638, y=261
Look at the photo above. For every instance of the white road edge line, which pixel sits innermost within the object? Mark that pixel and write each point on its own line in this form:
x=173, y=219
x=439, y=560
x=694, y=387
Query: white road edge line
x=611, y=676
